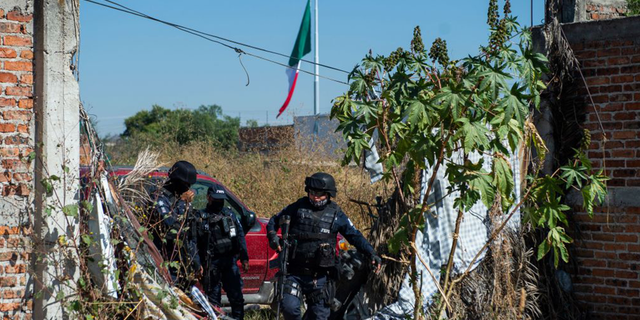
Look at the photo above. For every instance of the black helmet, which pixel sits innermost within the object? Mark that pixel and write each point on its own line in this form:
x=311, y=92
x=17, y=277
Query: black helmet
x=321, y=181
x=183, y=171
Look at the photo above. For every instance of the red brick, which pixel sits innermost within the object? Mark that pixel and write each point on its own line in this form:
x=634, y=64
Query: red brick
x=601, y=98
x=632, y=106
x=593, y=263
x=585, y=55
x=26, y=79
x=9, y=306
x=7, y=127
x=25, y=104
x=608, y=71
x=19, y=91
x=6, y=102
x=9, y=27
x=26, y=54
x=19, y=177
x=622, y=153
x=621, y=97
x=8, y=281
x=610, y=89
x=14, y=164
x=603, y=237
x=13, y=140
x=1, y=14
x=7, y=53
x=605, y=255
x=609, y=52
x=615, y=247
x=18, y=66
x=622, y=79
x=5, y=176
x=17, y=115
x=597, y=81
x=616, y=283
x=594, y=63
x=629, y=256
x=18, y=268
x=18, y=16
x=618, y=61
x=633, y=247
x=627, y=274
x=9, y=152
x=626, y=238
x=23, y=128
x=623, y=135
x=630, y=69
x=17, y=41
x=604, y=290
x=8, y=77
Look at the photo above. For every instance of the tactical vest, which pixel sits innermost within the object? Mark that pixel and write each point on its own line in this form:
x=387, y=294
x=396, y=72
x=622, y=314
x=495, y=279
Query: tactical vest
x=221, y=234
x=314, y=240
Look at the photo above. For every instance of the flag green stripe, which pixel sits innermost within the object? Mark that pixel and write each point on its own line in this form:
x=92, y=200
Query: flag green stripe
x=303, y=41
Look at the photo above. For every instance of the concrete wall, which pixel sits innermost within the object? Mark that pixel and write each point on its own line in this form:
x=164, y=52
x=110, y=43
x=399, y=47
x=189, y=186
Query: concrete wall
x=607, y=255
x=39, y=139
x=16, y=143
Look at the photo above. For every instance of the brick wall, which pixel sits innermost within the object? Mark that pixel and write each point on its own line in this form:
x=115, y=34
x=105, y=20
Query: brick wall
x=16, y=143
x=599, y=10
x=607, y=255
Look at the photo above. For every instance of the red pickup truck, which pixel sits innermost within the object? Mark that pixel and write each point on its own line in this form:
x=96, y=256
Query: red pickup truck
x=259, y=280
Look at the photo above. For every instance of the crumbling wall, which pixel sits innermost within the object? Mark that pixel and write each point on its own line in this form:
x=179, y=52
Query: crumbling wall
x=16, y=146
x=587, y=10
x=606, y=259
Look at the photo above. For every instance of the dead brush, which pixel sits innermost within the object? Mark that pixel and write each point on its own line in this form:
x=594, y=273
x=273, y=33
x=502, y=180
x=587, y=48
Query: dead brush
x=506, y=278
x=135, y=185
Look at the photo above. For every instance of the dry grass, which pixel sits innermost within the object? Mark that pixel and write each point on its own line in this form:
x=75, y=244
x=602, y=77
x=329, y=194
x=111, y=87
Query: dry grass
x=266, y=183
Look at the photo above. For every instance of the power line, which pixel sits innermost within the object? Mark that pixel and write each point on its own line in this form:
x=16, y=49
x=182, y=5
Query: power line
x=208, y=36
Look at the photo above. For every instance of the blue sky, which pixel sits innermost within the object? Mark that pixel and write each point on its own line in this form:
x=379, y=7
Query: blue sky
x=127, y=63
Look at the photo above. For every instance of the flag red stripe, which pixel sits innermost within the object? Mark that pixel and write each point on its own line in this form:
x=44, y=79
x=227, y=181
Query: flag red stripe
x=286, y=102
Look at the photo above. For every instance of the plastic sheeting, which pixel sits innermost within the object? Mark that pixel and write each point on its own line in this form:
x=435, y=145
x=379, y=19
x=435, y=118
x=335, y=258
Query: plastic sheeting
x=435, y=240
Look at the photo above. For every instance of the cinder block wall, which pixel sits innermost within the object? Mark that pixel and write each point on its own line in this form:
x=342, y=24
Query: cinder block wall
x=16, y=143
x=606, y=281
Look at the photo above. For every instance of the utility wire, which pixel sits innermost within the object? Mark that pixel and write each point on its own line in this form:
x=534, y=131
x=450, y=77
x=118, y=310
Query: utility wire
x=208, y=36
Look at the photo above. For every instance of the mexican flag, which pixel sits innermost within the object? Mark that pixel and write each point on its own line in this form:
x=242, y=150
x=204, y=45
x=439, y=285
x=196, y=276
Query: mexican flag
x=302, y=47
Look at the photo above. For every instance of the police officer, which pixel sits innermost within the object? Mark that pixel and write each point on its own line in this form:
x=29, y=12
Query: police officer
x=315, y=221
x=220, y=240
x=172, y=207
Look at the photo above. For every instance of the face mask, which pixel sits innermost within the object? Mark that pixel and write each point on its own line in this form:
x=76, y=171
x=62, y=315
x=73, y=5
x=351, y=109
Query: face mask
x=215, y=206
x=319, y=204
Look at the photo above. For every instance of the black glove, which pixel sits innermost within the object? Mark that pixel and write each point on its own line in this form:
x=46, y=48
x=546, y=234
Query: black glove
x=274, y=241
x=376, y=260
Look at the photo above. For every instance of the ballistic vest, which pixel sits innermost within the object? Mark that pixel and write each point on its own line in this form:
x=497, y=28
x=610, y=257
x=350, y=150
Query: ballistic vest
x=220, y=233
x=314, y=241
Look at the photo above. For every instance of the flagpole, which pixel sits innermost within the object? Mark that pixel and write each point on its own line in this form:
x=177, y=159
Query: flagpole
x=316, y=88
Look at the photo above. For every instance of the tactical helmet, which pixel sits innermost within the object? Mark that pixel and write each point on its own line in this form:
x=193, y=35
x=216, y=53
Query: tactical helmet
x=183, y=171
x=321, y=181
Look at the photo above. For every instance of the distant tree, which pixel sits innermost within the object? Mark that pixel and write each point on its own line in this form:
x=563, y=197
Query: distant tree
x=207, y=123
x=146, y=121
x=251, y=123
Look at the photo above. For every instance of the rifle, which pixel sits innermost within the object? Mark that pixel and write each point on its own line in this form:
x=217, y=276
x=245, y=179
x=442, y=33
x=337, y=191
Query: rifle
x=281, y=262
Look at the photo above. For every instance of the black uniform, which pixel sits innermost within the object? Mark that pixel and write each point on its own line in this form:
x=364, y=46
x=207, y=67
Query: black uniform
x=312, y=259
x=173, y=213
x=220, y=240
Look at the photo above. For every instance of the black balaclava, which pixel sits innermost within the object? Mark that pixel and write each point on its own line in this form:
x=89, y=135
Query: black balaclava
x=215, y=205
x=176, y=186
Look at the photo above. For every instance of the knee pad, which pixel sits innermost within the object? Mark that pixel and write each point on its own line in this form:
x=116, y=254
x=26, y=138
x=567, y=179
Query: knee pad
x=292, y=288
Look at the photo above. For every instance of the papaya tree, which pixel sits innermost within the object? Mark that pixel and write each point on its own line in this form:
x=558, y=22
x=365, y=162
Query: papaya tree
x=423, y=108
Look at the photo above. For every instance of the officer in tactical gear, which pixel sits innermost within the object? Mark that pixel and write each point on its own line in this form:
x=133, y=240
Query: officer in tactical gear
x=218, y=235
x=315, y=222
x=172, y=208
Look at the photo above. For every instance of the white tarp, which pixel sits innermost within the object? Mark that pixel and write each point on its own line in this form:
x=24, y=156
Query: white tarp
x=435, y=240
